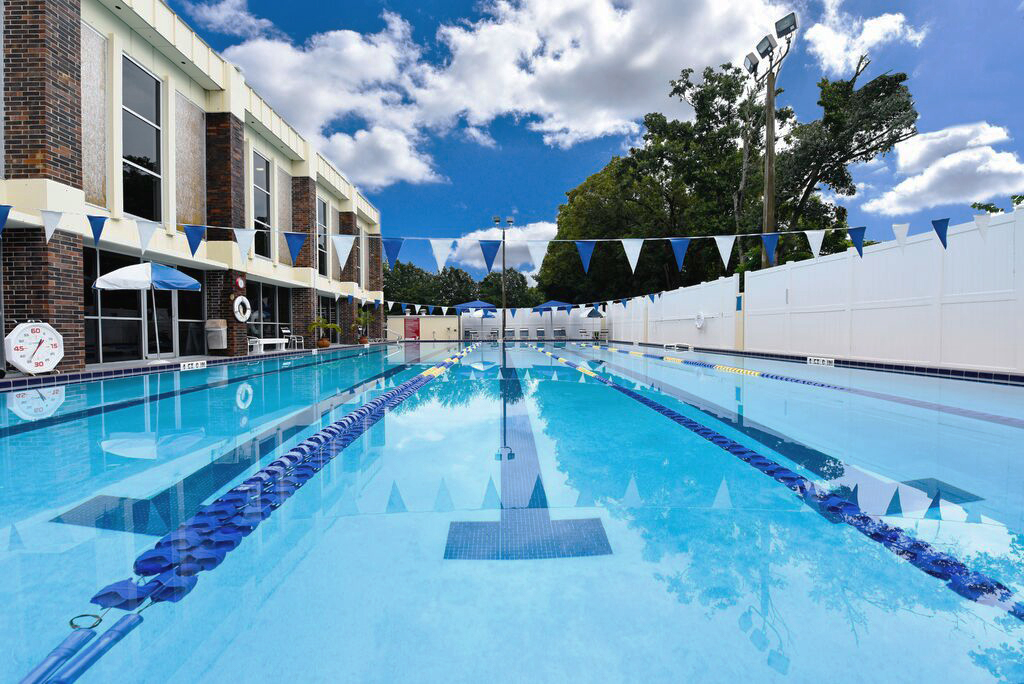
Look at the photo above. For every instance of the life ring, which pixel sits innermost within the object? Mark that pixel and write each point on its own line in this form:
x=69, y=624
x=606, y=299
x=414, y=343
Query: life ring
x=699, y=320
x=242, y=309
x=243, y=396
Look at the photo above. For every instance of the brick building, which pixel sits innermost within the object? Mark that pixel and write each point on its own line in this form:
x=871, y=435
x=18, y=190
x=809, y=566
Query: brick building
x=120, y=110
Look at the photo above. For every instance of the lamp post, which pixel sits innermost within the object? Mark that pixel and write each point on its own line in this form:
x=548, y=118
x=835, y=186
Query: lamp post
x=508, y=222
x=766, y=48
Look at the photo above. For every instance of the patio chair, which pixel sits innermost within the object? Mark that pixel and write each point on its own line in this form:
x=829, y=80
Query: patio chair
x=294, y=341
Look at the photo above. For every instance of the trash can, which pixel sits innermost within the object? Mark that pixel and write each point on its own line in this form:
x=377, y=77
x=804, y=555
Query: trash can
x=216, y=333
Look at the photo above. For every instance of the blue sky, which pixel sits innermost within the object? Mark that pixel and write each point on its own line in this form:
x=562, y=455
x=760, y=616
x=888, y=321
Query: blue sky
x=446, y=113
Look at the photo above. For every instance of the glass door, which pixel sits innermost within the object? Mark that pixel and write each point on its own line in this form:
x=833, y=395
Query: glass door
x=161, y=324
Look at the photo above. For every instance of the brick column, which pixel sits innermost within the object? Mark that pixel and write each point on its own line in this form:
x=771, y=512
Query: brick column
x=43, y=281
x=347, y=316
x=225, y=175
x=43, y=140
x=221, y=289
x=304, y=221
x=225, y=207
x=42, y=90
x=375, y=283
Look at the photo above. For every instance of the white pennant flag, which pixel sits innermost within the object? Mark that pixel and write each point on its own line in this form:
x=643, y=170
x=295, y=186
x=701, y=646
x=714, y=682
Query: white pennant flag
x=899, y=231
x=50, y=221
x=441, y=249
x=387, y=305
x=981, y=223
x=814, y=239
x=725, y=243
x=244, y=237
x=146, y=230
x=337, y=296
x=444, y=310
x=633, y=247
x=538, y=250
x=343, y=247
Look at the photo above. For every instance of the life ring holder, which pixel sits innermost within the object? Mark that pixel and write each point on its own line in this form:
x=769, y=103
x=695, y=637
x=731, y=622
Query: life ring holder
x=241, y=308
x=699, y=320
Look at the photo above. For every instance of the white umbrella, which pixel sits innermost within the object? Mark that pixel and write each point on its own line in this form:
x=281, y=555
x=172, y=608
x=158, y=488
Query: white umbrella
x=147, y=276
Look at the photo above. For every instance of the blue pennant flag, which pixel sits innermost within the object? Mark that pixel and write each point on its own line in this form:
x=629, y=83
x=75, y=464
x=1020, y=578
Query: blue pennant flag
x=651, y=298
x=433, y=309
x=941, y=226
x=586, y=250
x=490, y=250
x=679, y=247
x=194, y=235
x=624, y=302
x=770, y=241
x=392, y=246
x=295, y=242
x=376, y=305
x=857, y=238
x=350, y=298
x=96, y=223
x=513, y=311
x=5, y=211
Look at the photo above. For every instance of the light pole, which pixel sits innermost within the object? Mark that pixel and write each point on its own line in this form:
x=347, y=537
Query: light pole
x=784, y=28
x=508, y=222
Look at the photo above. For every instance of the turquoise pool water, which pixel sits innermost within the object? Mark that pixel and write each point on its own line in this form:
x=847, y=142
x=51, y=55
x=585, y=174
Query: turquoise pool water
x=518, y=519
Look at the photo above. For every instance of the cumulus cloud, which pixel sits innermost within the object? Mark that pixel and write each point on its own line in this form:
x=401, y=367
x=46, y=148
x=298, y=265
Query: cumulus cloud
x=839, y=39
x=973, y=173
x=921, y=151
x=571, y=70
x=379, y=157
x=467, y=252
x=230, y=18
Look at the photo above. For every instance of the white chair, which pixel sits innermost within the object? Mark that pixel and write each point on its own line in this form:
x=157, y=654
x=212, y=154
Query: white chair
x=294, y=341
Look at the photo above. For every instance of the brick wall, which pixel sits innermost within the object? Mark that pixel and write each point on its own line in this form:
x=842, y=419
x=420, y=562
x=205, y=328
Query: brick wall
x=43, y=281
x=347, y=226
x=225, y=175
x=375, y=277
x=304, y=221
x=220, y=286
x=347, y=314
x=42, y=90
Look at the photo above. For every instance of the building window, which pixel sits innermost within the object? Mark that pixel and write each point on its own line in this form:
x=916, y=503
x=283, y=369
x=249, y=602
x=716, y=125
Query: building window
x=261, y=203
x=271, y=309
x=327, y=309
x=321, y=236
x=140, y=121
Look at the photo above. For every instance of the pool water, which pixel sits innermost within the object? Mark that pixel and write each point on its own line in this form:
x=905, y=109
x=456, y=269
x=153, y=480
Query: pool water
x=518, y=519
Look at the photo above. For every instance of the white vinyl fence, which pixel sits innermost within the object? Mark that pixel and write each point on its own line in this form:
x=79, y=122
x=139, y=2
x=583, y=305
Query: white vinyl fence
x=917, y=304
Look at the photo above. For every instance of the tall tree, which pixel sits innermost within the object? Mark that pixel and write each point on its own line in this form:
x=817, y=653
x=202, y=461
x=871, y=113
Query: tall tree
x=518, y=293
x=455, y=286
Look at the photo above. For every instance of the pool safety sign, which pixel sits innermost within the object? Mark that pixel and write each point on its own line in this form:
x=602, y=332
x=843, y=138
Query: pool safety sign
x=820, y=361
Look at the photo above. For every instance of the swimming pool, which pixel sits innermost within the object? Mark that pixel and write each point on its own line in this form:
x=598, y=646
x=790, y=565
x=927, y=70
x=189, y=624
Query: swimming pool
x=554, y=512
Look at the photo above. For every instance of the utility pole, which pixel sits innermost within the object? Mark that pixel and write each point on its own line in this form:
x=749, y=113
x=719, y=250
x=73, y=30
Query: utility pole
x=768, y=217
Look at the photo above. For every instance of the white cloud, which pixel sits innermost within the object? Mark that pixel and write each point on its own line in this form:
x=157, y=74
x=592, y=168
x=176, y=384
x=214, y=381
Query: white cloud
x=468, y=254
x=379, y=157
x=839, y=39
x=571, y=70
x=921, y=151
x=230, y=18
x=970, y=175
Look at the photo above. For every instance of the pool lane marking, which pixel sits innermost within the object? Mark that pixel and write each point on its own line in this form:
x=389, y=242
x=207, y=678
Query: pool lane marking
x=59, y=419
x=917, y=403
x=972, y=585
x=202, y=544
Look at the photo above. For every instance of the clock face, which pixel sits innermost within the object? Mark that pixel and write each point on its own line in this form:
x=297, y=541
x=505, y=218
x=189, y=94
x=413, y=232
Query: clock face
x=240, y=282
x=34, y=348
x=33, y=404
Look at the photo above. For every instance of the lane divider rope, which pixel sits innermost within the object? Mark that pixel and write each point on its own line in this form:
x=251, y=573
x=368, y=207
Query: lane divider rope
x=972, y=585
x=202, y=542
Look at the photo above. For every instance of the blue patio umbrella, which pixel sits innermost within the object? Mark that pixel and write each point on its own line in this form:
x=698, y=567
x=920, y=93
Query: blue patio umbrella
x=550, y=307
x=475, y=304
x=147, y=276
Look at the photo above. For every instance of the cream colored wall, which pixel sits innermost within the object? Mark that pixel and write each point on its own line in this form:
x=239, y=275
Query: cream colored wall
x=431, y=327
x=184, y=63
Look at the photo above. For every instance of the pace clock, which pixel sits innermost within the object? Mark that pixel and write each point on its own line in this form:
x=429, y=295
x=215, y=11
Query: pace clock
x=34, y=347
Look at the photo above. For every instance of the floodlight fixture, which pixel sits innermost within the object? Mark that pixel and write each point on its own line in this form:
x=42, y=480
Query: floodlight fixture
x=766, y=46
x=496, y=219
x=750, y=62
x=510, y=220
x=786, y=25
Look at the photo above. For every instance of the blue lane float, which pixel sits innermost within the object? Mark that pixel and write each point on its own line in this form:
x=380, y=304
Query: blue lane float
x=169, y=571
x=974, y=586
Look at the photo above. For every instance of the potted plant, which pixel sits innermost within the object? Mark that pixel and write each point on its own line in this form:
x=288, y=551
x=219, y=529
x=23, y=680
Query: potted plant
x=323, y=326
x=364, y=319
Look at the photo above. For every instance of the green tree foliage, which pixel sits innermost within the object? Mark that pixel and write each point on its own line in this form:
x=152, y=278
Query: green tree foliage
x=995, y=209
x=411, y=284
x=518, y=293
x=705, y=177
x=455, y=286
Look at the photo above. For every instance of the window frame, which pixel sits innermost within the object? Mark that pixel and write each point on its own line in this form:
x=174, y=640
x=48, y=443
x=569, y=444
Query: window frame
x=257, y=224
x=323, y=264
x=160, y=139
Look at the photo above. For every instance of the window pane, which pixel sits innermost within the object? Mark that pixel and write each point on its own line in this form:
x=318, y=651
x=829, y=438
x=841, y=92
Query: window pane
x=191, y=339
x=89, y=276
x=141, y=91
x=267, y=303
x=261, y=207
x=321, y=212
x=122, y=340
x=284, y=306
x=141, y=142
x=252, y=293
x=260, y=172
x=92, y=345
x=120, y=303
x=141, y=193
x=190, y=304
x=262, y=242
